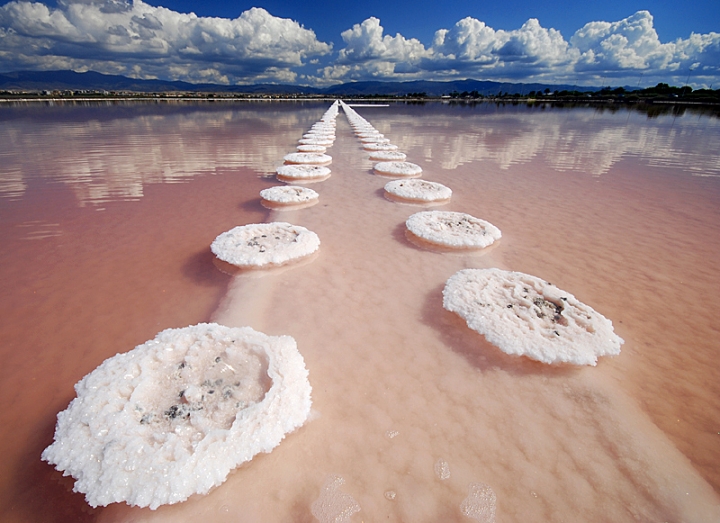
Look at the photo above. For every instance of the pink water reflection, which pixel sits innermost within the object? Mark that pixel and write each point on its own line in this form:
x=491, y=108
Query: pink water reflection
x=620, y=210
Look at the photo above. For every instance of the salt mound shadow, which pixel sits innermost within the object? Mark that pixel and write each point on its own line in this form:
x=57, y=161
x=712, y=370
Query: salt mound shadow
x=526, y=316
x=172, y=417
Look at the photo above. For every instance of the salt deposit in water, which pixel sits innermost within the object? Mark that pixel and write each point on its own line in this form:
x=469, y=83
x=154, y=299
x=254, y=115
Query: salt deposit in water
x=333, y=505
x=260, y=245
x=306, y=148
x=299, y=173
x=172, y=417
x=480, y=503
x=526, y=316
x=388, y=156
x=417, y=191
x=379, y=147
x=398, y=169
x=288, y=196
x=307, y=158
x=455, y=230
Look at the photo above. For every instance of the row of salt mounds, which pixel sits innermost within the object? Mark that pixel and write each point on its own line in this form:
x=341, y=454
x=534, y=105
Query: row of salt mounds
x=288, y=196
x=391, y=162
x=303, y=173
x=417, y=191
x=398, y=169
x=455, y=230
x=314, y=143
x=259, y=245
x=526, y=316
x=172, y=417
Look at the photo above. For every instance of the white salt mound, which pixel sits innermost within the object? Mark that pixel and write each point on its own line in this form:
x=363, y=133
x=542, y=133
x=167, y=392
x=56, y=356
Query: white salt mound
x=311, y=148
x=317, y=140
x=480, y=503
x=388, y=156
x=398, y=168
x=453, y=229
x=264, y=244
x=308, y=158
x=379, y=147
x=301, y=172
x=418, y=190
x=172, y=417
x=526, y=316
x=288, y=194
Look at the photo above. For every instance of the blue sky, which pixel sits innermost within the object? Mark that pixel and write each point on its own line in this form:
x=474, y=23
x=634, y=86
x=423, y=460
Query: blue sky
x=320, y=43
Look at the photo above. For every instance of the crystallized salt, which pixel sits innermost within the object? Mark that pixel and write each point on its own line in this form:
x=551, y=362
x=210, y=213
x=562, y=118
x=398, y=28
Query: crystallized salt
x=303, y=173
x=311, y=148
x=452, y=229
x=288, y=194
x=172, y=417
x=308, y=158
x=480, y=503
x=334, y=505
x=398, y=169
x=420, y=191
x=388, y=156
x=526, y=316
x=264, y=244
x=317, y=140
x=379, y=147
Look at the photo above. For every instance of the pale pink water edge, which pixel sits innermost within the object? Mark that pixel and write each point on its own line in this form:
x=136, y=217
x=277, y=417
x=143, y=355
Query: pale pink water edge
x=600, y=206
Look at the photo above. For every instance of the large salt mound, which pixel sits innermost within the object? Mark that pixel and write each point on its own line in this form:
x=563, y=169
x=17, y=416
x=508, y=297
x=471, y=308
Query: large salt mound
x=417, y=191
x=302, y=173
x=452, y=229
x=398, y=169
x=172, y=417
x=308, y=158
x=288, y=195
x=264, y=244
x=524, y=315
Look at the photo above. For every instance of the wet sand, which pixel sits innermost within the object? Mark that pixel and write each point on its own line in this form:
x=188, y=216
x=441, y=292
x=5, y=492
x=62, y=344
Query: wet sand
x=399, y=384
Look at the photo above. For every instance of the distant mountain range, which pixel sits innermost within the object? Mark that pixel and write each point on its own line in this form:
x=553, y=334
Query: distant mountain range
x=70, y=80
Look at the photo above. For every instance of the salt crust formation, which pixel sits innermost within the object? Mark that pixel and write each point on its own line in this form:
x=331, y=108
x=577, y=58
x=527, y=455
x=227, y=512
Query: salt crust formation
x=303, y=172
x=302, y=148
x=398, y=168
x=264, y=244
x=388, y=156
x=452, y=229
x=480, y=504
x=172, y=417
x=418, y=190
x=333, y=505
x=526, y=316
x=379, y=147
x=307, y=158
x=288, y=194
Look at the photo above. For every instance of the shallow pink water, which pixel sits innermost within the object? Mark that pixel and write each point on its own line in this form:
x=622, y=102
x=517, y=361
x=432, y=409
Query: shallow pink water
x=107, y=214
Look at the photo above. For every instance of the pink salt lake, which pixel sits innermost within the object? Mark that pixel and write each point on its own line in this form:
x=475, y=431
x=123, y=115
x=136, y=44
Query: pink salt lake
x=106, y=217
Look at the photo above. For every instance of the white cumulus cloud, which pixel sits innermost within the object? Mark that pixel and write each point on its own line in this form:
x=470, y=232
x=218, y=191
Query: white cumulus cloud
x=624, y=51
x=116, y=36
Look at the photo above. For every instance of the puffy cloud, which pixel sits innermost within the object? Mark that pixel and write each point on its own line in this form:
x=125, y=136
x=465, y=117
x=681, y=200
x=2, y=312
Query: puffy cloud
x=625, y=50
x=106, y=35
